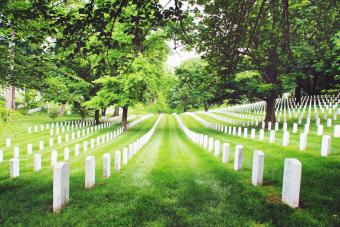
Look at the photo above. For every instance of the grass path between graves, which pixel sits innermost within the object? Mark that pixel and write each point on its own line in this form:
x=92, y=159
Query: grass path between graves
x=173, y=182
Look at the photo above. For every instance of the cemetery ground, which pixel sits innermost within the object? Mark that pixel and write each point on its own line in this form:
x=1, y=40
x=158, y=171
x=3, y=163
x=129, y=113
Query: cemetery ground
x=171, y=181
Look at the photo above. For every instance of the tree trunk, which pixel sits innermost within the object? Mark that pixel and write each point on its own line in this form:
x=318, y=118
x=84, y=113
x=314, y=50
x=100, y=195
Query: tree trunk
x=103, y=112
x=62, y=109
x=206, y=107
x=10, y=90
x=124, y=118
x=270, y=109
x=116, y=112
x=298, y=93
x=96, y=116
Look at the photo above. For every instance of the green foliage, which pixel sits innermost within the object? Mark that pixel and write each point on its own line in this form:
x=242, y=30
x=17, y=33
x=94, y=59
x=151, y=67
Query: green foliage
x=195, y=86
x=53, y=112
x=5, y=115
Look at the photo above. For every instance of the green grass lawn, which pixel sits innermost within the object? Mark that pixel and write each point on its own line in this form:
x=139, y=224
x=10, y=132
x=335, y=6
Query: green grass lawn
x=171, y=181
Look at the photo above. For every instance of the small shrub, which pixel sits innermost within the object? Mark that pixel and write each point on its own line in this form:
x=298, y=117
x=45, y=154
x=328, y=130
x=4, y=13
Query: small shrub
x=53, y=113
x=5, y=115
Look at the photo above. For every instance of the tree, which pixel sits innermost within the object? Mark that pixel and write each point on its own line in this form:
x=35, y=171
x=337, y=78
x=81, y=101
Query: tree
x=195, y=85
x=228, y=32
x=22, y=34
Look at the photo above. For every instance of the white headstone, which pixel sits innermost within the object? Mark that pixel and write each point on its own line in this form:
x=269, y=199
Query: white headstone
x=285, y=140
x=1, y=156
x=41, y=145
x=320, y=130
x=238, y=157
x=66, y=153
x=329, y=122
x=54, y=157
x=14, y=167
x=61, y=186
x=326, y=145
x=117, y=161
x=76, y=149
x=261, y=135
x=211, y=144
x=16, y=152
x=252, y=133
x=295, y=127
x=337, y=131
x=303, y=142
x=217, y=148
x=8, y=142
x=37, y=162
x=272, y=136
x=258, y=166
x=125, y=155
x=225, y=152
x=291, y=182
x=90, y=171
x=107, y=165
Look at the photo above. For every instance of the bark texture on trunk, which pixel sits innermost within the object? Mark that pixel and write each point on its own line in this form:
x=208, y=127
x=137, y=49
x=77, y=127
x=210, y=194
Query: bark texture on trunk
x=124, y=118
x=270, y=108
x=116, y=112
x=10, y=90
x=298, y=93
x=96, y=116
x=206, y=107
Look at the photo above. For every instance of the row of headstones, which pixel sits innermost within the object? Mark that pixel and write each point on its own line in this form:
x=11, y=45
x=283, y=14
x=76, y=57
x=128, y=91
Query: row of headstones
x=325, y=146
x=51, y=140
x=14, y=163
x=70, y=123
x=292, y=167
x=259, y=106
x=222, y=128
x=61, y=172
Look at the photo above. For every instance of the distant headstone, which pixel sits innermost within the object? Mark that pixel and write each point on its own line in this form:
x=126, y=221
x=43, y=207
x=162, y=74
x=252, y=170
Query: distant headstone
x=8, y=142
x=117, y=161
x=125, y=155
x=320, y=130
x=303, y=142
x=66, y=153
x=285, y=140
x=54, y=157
x=211, y=144
x=337, y=131
x=37, y=162
x=272, y=136
x=14, y=167
x=217, y=148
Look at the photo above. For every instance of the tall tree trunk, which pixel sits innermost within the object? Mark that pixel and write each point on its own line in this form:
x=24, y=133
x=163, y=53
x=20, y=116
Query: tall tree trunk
x=96, y=116
x=298, y=93
x=270, y=109
x=103, y=111
x=10, y=90
x=124, y=118
x=206, y=107
x=116, y=112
